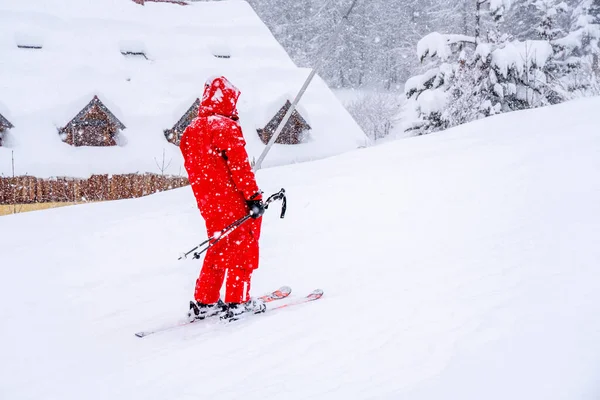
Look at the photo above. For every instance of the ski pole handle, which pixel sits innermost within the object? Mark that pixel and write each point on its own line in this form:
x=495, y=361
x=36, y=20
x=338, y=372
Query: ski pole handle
x=278, y=196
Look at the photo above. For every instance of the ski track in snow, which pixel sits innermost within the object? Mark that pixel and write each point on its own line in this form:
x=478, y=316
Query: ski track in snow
x=460, y=265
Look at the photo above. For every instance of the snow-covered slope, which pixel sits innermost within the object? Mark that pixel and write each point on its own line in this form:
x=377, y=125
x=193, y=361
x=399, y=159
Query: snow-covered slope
x=459, y=265
x=82, y=42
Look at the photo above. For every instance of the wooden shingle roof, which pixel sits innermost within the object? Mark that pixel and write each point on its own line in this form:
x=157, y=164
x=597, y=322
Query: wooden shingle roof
x=4, y=123
x=174, y=134
x=293, y=132
x=97, y=102
x=185, y=119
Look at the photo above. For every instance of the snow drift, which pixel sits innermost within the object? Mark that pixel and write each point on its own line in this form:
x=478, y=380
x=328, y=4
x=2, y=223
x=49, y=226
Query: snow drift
x=458, y=265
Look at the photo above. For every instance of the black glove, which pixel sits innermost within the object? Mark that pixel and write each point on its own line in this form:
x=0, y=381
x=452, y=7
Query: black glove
x=257, y=208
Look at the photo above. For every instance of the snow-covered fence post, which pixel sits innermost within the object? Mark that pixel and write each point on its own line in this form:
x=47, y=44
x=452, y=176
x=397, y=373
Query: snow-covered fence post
x=312, y=74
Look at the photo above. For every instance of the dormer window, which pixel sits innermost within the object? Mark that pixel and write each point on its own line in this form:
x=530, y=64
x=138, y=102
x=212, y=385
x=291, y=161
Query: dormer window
x=94, y=125
x=133, y=49
x=5, y=125
x=174, y=134
x=140, y=54
x=220, y=50
x=295, y=130
x=29, y=46
x=28, y=41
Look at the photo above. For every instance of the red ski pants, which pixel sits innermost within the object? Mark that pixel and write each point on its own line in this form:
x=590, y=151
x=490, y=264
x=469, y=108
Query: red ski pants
x=236, y=254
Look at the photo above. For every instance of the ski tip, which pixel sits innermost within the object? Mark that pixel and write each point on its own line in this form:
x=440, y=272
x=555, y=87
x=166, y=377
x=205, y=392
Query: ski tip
x=140, y=334
x=316, y=294
x=285, y=290
x=278, y=294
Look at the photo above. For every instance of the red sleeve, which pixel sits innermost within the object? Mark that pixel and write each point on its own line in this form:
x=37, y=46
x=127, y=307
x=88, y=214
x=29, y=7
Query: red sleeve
x=229, y=139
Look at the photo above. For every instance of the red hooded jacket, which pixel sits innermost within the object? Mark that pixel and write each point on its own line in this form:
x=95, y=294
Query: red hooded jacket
x=215, y=158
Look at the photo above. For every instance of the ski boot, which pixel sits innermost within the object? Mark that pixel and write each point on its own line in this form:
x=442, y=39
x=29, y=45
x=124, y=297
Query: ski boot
x=233, y=311
x=200, y=310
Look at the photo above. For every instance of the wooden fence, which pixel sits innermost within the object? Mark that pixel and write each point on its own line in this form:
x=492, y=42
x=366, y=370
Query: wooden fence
x=28, y=189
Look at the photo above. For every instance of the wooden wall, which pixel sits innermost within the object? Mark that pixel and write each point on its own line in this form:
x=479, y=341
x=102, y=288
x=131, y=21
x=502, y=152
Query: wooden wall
x=28, y=189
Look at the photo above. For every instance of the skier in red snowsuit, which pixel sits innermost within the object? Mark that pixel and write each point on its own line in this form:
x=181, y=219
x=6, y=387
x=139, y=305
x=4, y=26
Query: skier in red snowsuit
x=225, y=189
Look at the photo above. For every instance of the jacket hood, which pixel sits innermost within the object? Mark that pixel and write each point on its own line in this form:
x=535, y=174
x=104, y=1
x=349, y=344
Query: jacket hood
x=220, y=97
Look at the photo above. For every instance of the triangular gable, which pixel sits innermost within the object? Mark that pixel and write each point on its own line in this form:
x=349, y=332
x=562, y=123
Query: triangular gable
x=185, y=120
x=293, y=130
x=96, y=101
x=173, y=135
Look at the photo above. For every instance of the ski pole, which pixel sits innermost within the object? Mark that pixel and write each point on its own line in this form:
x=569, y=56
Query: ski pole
x=236, y=224
x=233, y=225
x=277, y=196
x=218, y=237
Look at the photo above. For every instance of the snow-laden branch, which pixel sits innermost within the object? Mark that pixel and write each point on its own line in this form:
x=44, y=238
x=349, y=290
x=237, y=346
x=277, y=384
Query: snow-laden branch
x=517, y=57
x=440, y=45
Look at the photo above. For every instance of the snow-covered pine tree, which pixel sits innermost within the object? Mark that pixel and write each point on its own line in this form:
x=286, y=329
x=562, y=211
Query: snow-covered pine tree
x=478, y=76
x=377, y=42
x=590, y=23
x=427, y=94
x=549, y=29
x=549, y=11
x=580, y=51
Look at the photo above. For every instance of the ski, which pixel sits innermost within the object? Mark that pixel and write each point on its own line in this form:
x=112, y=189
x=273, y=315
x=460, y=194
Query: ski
x=278, y=294
x=312, y=296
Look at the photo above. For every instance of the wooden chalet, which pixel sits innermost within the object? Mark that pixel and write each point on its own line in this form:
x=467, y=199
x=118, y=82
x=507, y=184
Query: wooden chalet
x=4, y=126
x=173, y=135
x=94, y=125
x=294, y=132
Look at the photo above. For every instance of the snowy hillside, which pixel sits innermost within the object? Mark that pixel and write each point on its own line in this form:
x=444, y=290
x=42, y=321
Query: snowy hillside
x=459, y=265
x=147, y=64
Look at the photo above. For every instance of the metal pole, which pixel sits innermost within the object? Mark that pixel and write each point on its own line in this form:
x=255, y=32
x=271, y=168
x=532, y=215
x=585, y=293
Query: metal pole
x=320, y=62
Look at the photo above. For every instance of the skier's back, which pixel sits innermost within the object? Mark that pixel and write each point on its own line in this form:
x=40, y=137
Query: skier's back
x=225, y=188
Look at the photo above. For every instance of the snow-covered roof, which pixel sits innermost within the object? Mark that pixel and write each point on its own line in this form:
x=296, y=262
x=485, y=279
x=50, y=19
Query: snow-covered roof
x=81, y=56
